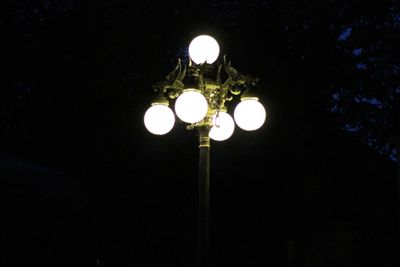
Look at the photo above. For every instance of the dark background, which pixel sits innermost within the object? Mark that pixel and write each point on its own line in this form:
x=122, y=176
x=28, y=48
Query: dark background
x=84, y=184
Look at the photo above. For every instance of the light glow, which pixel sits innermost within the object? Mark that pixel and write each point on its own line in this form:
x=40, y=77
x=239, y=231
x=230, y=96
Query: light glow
x=223, y=126
x=159, y=119
x=249, y=114
x=203, y=49
x=191, y=106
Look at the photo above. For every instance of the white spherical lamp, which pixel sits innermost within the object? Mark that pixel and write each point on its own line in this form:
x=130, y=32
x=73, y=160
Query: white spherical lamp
x=223, y=126
x=159, y=119
x=203, y=49
x=191, y=106
x=249, y=114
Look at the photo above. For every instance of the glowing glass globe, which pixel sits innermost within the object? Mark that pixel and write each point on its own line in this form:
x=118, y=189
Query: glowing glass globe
x=159, y=119
x=223, y=126
x=191, y=106
x=203, y=49
x=249, y=114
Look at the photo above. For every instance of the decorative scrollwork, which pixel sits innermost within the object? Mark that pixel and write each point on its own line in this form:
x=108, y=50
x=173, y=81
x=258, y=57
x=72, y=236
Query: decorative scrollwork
x=217, y=91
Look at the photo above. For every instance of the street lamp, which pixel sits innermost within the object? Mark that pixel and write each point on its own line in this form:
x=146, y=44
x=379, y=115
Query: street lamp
x=200, y=102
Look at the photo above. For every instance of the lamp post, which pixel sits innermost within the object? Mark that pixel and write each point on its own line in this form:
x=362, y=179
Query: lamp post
x=201, y=102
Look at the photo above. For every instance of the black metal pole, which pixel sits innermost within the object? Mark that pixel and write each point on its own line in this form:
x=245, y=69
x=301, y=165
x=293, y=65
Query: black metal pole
x=204, y=197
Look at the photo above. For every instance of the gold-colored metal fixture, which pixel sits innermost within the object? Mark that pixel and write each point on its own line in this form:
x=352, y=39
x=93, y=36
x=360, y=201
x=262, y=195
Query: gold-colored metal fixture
x=201, y=102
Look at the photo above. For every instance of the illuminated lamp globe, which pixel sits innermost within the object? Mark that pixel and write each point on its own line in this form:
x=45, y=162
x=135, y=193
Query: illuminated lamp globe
x=159, y=119
x=191, y=106
x=203, y=49
x=223, y=126
x=249, y=114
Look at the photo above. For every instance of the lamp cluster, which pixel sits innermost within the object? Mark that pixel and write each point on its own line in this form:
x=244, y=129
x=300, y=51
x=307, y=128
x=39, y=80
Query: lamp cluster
x=200, y=100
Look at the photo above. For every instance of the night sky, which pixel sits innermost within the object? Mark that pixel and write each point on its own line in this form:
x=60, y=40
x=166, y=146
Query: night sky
x=83, y=183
